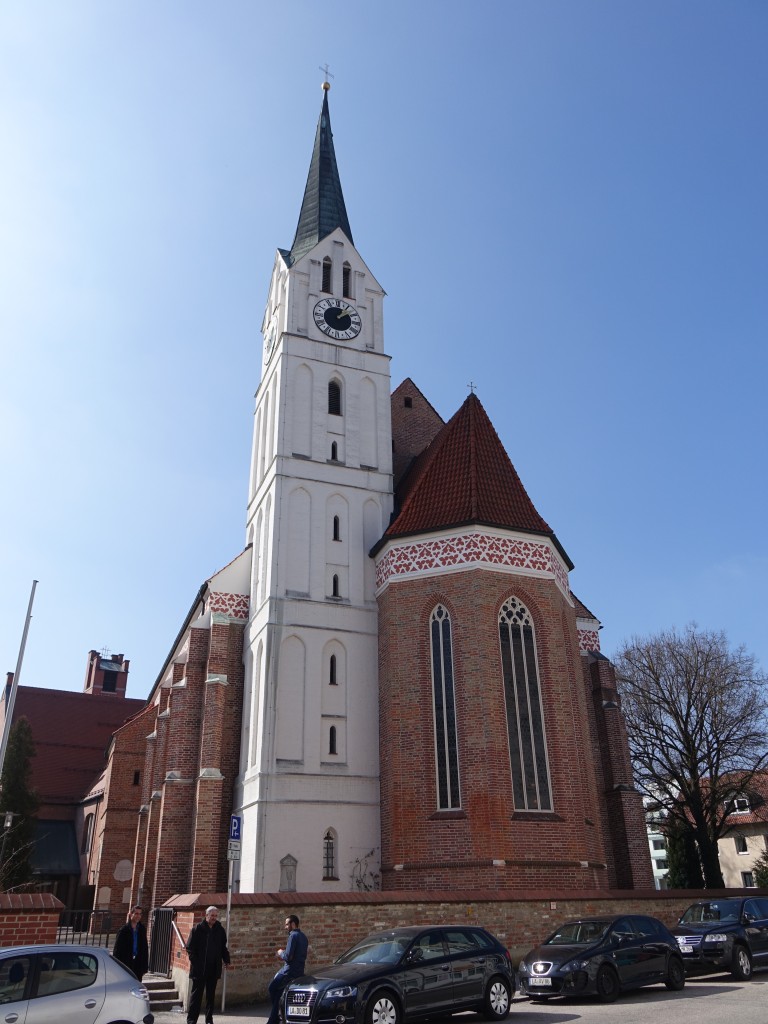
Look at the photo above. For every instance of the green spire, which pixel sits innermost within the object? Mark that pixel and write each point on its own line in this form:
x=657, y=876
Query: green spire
x=323, y=209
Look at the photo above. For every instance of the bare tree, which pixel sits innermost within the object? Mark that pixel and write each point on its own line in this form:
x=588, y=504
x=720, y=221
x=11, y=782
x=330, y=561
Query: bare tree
x=695, y=714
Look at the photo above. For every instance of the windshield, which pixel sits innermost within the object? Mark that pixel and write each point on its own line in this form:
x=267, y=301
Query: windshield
x=376, y=950
x=578, y=933
x=705, y=913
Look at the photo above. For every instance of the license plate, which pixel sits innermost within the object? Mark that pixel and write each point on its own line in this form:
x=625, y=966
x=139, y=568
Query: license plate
x=686, y=948
x=543, y=982
x=299, y=1011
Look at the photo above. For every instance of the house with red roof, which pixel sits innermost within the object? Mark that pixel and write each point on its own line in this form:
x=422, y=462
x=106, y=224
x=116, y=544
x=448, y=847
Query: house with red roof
x=71, y=732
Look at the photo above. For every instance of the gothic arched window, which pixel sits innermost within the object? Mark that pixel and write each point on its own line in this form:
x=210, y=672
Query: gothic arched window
x=332, y=740
x=327, y=268
x=525, y=718
x=336, y=528
x=335, y=586
x=334, y=398
x=332, y=680
x=329, y=855
x=446, y=746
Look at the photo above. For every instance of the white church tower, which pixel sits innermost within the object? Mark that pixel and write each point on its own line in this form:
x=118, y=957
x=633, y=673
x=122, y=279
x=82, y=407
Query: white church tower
x=320, y=496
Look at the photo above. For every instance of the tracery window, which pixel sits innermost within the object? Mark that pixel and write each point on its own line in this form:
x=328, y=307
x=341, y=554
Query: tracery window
x=334, y=398
x=446, y=746
x=525, y=718
x=329, y=855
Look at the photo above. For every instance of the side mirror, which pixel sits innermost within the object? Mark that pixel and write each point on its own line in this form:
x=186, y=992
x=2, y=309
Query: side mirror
x=414, y=955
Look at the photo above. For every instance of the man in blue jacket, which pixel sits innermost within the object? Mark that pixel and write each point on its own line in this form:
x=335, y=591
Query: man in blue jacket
x=295, y=957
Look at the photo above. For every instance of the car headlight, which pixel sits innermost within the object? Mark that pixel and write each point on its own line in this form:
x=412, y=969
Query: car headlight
x=341, y=992
x=576, y=965
x=716, y=937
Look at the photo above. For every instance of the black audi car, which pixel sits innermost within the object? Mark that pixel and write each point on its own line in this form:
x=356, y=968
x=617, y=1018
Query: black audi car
x=729, y=934
x=602, y=956
x=405, y=973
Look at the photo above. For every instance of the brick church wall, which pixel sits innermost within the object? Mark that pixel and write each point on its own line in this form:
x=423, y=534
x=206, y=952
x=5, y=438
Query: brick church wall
x=423, y=848
x=622, y=813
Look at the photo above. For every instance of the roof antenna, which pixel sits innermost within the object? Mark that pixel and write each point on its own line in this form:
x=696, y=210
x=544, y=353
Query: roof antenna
x=326, y=84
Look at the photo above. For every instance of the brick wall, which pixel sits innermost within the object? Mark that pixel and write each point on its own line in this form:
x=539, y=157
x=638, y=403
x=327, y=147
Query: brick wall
x=334, y=922
x=28, y=918
x=425, y=848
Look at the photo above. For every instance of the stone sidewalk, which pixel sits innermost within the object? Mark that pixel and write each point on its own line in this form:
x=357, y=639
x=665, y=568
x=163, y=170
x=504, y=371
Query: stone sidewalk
x=234, y=1015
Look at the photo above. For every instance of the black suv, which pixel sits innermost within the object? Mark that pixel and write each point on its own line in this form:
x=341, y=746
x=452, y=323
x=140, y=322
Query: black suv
x=403, y=973
x=729, y=934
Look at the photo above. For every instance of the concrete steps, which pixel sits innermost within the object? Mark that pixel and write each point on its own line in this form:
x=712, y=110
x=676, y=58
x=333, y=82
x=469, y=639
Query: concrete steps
x=162, y=992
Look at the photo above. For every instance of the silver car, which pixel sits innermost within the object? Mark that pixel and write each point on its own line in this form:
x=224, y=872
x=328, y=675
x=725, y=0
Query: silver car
x=69, y=985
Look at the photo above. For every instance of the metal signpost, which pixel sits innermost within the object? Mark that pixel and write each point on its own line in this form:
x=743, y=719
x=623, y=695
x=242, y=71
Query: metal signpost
x=233, y=854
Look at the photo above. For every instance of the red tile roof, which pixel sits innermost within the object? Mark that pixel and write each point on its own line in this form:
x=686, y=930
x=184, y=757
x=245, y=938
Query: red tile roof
x=465, y=476
x=71, y=732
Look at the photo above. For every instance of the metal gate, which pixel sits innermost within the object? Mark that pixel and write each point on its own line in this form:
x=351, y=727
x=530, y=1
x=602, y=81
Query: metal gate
x=160, y=943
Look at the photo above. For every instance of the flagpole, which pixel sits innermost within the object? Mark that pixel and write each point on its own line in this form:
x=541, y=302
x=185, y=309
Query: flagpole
x=15, y=683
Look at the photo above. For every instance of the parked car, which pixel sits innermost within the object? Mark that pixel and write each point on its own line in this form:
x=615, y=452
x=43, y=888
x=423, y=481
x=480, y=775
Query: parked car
x=728, y=934
x=403, y=973
x=69, y=985
x=602, y=956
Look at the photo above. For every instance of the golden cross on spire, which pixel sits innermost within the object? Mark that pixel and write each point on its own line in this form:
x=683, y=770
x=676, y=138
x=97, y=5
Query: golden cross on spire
x=327, y=73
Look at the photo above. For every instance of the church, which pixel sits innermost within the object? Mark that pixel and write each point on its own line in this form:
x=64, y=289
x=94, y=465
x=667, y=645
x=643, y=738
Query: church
x=392, y=685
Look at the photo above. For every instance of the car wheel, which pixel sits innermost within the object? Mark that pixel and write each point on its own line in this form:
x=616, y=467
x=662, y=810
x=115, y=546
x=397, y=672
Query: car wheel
x=741, y=965
x=607, y=984
x=383, y=1009
x=675, y=979
x=498, y=997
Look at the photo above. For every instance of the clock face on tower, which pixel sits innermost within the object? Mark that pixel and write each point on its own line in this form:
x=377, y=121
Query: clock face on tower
x=338, y=319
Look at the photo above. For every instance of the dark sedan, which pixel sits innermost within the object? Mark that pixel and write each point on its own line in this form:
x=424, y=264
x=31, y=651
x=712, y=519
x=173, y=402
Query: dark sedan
x=405, y=973
x=602, y=956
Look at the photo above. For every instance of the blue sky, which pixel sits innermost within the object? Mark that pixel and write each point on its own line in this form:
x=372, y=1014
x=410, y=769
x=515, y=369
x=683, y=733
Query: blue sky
x=565, y=201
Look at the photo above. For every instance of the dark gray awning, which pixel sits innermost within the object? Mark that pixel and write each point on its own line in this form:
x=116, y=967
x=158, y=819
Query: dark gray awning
x=55, y=850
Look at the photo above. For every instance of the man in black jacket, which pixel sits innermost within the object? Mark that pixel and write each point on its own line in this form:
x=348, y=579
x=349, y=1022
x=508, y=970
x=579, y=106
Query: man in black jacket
x=207, y=949
x=131, y=946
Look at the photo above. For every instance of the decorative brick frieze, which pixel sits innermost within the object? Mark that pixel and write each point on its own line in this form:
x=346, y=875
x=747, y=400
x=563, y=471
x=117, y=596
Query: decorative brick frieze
x=472, y=550
x=589, y=640
x=234, y=606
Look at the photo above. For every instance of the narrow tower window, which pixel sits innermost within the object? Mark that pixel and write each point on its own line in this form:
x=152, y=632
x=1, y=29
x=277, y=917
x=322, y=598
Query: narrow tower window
x=446, y=747
x=525, y=718
x=335, y=586
x=329, y=855
x=336, y=528
x=332, y=671
x=327, y=268
x=346, y=273
x=332, y=740
x=334, y=452
x=334, y=398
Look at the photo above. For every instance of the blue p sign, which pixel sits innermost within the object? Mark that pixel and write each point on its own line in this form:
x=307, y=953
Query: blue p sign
x=235, y=825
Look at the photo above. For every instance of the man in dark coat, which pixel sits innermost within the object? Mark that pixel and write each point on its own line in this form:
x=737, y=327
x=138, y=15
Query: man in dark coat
x=207, y=949
x=131, y=946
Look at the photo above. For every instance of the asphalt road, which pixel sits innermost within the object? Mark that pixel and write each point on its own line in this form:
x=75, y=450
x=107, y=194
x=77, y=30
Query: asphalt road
x=708, y=1000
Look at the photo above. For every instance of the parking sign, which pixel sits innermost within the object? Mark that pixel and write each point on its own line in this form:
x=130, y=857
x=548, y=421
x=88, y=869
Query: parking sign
x=235, y=824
